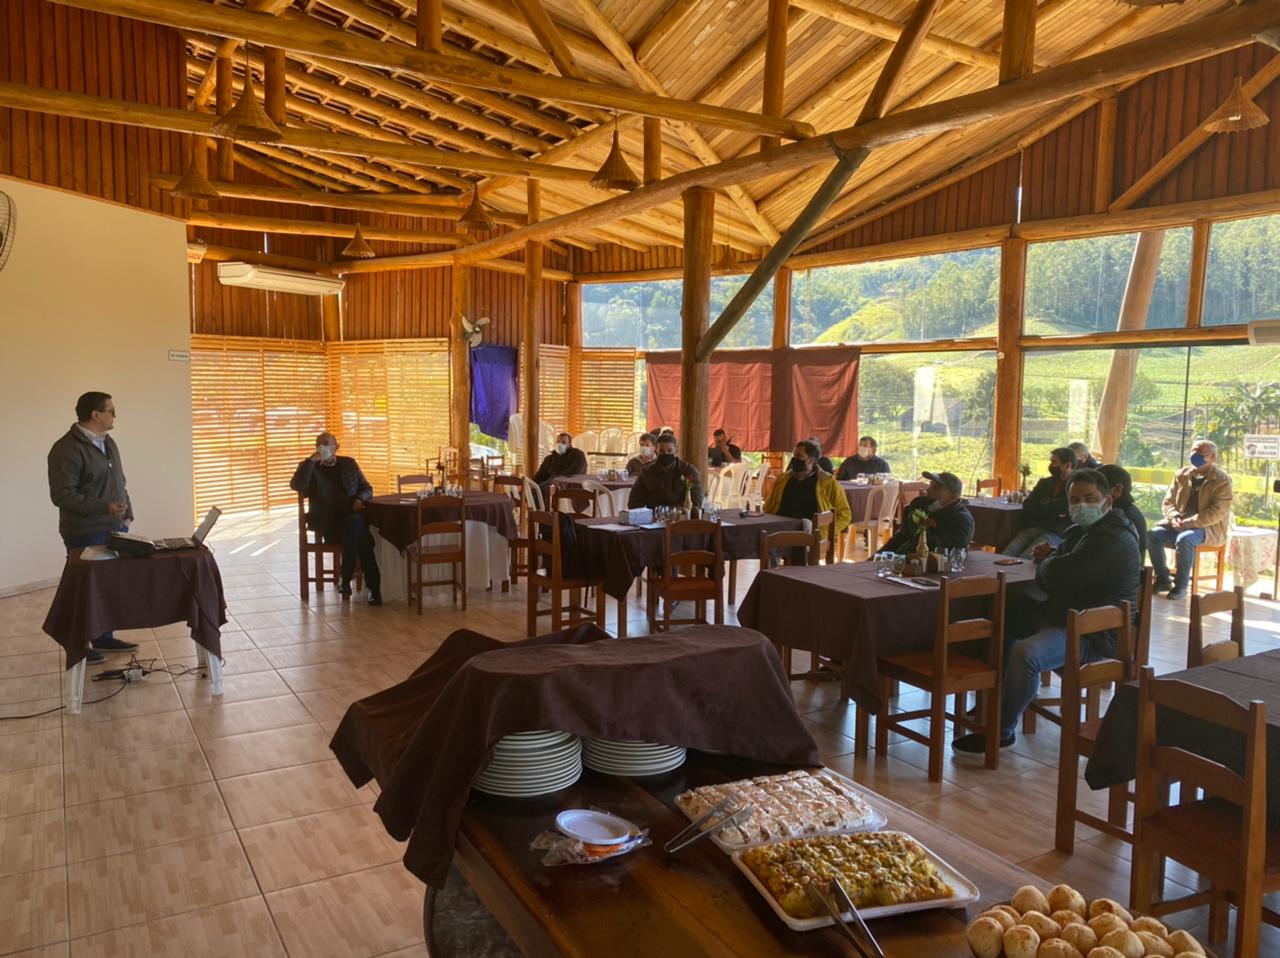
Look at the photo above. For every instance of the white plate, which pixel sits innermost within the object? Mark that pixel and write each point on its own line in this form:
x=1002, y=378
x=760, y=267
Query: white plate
x=528, y=791
x=518, y=743
x=654, y=752
x=524, y=778
x=536, y=758
x=966, y=893
x=595, y=828
x=632, y=771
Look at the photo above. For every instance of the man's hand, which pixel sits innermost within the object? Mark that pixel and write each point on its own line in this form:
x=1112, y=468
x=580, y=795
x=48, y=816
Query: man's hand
x=316, y=457
x=1041, y=552
x=117, y=509
x=357, y=505
x=1178, y=523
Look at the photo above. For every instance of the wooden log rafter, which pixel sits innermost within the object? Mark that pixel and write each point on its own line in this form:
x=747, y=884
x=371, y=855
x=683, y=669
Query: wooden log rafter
x=774, y=79
x=549, y=37
x=293, y=227
x=228, y=46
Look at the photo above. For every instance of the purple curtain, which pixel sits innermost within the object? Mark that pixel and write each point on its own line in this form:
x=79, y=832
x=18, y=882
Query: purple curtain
x=493, y=388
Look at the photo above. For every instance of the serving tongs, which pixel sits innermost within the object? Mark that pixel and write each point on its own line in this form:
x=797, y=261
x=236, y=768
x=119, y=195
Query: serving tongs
x=695, y=832
x=842, y=898
x=862, y=940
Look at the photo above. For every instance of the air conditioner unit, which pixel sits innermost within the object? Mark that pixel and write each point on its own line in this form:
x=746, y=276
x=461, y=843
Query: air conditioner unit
x=1264, y=332
x=277, y=280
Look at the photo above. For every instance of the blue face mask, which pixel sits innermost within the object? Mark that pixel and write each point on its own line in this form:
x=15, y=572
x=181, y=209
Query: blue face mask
x=1198, y=460
x=1085, y=514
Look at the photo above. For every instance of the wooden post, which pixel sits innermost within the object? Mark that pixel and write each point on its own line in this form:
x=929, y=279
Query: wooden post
x=273, y=72
x=1199, y=265
x=1105, y=158
x=1007, y=412
x=1113, y=408
x=781, y=330
x=460, y=367
x=775, y=65
x=695, y=317
x=573, y=340
x=223, y=101
x=1018, y=44
x=430, y=13
x=530, y=339
x=652, y=149
x=331, y=311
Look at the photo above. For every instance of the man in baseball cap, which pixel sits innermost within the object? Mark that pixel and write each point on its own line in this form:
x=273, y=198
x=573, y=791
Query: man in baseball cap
x=947, y=522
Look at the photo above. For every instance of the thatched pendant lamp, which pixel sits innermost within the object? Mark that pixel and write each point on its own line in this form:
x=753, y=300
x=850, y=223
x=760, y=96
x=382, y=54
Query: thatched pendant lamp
x=614, y=174
x=358, y=248
x=1237, y=114
x=247, y=120
x=476, y=217
x=194, y=185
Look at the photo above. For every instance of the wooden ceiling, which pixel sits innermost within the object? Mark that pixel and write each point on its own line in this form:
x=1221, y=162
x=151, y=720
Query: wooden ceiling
x=705, y=51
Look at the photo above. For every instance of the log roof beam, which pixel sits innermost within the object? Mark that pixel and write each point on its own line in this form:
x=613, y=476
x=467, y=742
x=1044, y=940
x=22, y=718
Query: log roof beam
x=548, y=34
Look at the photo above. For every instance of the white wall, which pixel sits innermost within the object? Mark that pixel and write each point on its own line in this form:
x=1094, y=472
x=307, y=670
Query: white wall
x=93, y=297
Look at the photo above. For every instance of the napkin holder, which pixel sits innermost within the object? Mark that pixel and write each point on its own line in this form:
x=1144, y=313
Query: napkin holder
x=934, y=562
x=636, y=517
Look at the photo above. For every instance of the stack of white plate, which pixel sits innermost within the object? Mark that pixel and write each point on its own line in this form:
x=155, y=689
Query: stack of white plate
x=630, y=758
x=526, y=764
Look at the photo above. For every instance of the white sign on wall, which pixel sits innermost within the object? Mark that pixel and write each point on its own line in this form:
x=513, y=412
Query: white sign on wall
x=1262, y=447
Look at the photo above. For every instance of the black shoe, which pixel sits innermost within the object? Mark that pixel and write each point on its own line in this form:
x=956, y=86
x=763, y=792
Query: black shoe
x=114, y=645
x=1176, y=593
x=95, y=658
x=345, y=588
x=976, y=743
x=375, y=597
x=1163, y=585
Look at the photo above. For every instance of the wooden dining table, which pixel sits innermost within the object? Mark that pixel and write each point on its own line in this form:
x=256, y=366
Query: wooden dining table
x=696, y=903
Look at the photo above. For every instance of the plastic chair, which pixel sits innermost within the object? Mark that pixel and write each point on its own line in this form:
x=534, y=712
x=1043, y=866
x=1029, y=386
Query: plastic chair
x=587, y=441
x=605, y=504
x=753, y=485
x=732, y=479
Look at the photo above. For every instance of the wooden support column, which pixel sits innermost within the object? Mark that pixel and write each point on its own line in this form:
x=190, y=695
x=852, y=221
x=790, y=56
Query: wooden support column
x=781, y=330
x=1113, y=408
x=273, y=70
x=652, y=149
x=430, y=15
x=223, y=100
x=1007, y=412
x=775, y=65
x=331, y=313
x=1199, y=266
x=530, y=335
x=573, y=340
x=1018, y=43
x=460, y=367
x=695, y=317
x=1105, y=159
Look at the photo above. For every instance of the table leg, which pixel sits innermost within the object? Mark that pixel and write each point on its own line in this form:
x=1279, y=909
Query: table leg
x=621, y=630
x=206, y=659
x=75, y=686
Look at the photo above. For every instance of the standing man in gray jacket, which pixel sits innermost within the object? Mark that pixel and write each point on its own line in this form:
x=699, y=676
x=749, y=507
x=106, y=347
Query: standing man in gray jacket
x=86, y=483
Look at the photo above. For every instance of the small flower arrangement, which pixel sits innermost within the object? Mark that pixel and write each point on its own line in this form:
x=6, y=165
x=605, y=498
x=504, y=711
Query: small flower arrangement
x=1024, y=470
x=921, y=519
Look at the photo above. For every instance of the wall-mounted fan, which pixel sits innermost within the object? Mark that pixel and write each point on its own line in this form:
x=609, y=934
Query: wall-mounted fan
x=8, y=226
x=473, y=333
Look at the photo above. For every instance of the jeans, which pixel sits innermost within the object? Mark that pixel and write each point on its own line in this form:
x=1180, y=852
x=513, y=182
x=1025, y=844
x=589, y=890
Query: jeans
x=1024, y=660
x=1183, y=542
x=357, y=543
x=1025, y=542
x=92, y=539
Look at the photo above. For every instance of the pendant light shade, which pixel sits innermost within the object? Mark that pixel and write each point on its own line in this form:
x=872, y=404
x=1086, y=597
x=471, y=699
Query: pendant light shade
x=1237, y=114
x=194, y=185
x=358, y=248
x=614, y=173
x=476, y=217
x=247, y=120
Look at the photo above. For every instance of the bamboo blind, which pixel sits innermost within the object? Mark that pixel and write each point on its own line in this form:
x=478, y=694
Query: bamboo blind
x=608, y=390
x=553, y=386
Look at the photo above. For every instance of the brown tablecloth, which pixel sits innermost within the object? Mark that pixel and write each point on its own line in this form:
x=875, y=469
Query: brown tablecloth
x=1115, y=753
x=97, y=596
x=624, y=555
x=424, y=740
x=844, y=612
x=397, y=516
x=995, y=523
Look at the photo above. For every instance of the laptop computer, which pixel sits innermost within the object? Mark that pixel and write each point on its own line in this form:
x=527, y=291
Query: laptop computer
x=192, y=541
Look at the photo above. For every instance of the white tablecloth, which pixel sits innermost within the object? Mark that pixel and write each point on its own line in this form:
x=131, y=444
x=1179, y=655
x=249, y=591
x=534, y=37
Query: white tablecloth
x=488, y=562
x=1252, y=550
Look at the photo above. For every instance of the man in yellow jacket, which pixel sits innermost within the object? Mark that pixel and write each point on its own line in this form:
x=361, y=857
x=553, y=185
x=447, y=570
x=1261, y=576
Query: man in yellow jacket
x=805, y=490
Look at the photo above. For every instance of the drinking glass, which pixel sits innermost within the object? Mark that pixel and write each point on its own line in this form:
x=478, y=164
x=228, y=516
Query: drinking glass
x=884, y=564
x=898, y=563
x=957, y=558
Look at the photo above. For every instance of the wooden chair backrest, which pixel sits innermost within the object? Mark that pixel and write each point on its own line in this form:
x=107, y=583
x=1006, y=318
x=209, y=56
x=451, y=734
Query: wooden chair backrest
x=824, y=527
x=785, y=543
x=580, y=501
x=1077, y=678
x=303, y=539
x=1142, y=628
x=705, y=563
x=991, y=628
x=544, y=547
x=993, y=484
x=512, y=486
x=413, y=479
x=1215, y=603
x=436, y=526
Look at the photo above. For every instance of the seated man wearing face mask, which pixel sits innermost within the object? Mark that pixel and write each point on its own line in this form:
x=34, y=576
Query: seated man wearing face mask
x=1044, y=513
x=664, y=481
x=805, y=490
x=1084, y=458
x=336, y=492
x=1197, y=509
x=563, y=460
x=722, y=451
x=648, y=452
x=865, y=463
x=948, y=523
x=824, y=462
x=1096, y=564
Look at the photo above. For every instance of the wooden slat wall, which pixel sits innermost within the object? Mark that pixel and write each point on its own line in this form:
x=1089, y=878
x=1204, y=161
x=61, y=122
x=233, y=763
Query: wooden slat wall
x=219, y=310
x=608, y=395
x=1058, y=170
x=610, y=258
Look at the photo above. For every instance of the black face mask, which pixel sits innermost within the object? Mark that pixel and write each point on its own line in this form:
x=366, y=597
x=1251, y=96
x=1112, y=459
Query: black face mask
x=1055, y=471
x=798, y=466
x=666, y=458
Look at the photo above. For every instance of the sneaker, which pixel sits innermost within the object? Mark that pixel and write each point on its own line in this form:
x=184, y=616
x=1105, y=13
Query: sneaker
x=1163, y=585
x=976, y=743
x=114, y=645
x=1176, y=593
x=95, y=658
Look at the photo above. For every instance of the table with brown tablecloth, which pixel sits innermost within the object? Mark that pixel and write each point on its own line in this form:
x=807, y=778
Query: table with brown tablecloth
x=716, y=688
x=844, y=612
x=995, y=522
x=620, y=489
x=1115, y=751
x=99, y=596
x=396, y=516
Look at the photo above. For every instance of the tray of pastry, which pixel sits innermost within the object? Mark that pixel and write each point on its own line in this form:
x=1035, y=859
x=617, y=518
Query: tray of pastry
x=885, y=873
x=791, y=805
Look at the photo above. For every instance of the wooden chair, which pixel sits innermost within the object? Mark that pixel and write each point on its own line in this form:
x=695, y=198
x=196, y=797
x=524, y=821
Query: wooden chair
x=1081, y=689
x=824, y=527
x=448, y=465
x=993, y=484
x=310, y=545
x=1225, y=837
x=413, y=479
x=578, y=501
x=688, y=575
x=545, y=573
x=420, y=555
x=942, y=672
x=786, y=548
x=1203, y=606
x=513, y=486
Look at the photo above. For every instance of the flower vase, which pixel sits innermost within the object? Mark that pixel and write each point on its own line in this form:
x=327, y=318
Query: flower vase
x=688, y=504
x=922, y=546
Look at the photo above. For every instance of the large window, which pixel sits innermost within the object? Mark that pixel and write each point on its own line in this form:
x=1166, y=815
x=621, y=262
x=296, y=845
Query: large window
x=1243, y=278
x=646, y=315
x=942, y=296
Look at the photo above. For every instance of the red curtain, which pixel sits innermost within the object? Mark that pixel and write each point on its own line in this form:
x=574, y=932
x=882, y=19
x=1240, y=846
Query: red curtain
x=768, y=399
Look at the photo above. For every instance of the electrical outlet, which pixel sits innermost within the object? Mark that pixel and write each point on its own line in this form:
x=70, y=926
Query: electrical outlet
x=133, y=675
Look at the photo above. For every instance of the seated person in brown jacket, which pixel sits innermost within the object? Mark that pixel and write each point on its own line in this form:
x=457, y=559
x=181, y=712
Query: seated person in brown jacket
x=665, y=481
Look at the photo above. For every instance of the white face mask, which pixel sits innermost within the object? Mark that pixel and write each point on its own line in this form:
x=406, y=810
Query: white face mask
x=647, y=453
x=562, y=448
x=327, y=452
x=865, y=452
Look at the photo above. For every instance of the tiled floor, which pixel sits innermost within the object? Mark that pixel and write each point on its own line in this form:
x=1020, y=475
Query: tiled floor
x=165, y=821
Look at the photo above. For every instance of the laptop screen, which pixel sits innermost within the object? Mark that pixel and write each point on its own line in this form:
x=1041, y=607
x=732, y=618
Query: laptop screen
x=209, y=519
